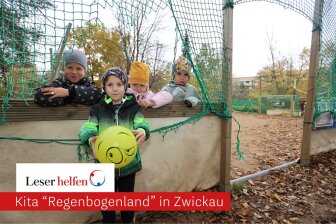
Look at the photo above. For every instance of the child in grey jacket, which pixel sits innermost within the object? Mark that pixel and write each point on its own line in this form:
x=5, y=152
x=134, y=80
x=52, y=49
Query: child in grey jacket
x=179, y=87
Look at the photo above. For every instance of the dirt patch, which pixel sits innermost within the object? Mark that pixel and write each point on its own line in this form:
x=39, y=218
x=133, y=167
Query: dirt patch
x=299, y=194
x=267, y=141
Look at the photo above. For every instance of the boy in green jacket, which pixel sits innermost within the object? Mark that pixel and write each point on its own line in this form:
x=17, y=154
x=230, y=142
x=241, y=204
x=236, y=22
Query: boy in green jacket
x=117, y=109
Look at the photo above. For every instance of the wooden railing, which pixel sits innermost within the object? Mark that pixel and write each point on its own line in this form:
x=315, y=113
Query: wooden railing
x=20, y=111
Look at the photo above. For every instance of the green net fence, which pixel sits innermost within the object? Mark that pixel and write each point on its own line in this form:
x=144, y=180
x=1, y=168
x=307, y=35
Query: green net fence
x=245, y=105
x=33, y=32
x=280, y=105
x=274, y=105
x=325, y=100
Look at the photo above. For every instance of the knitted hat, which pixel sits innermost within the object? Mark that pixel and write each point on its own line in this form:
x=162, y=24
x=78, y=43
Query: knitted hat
x=74, y=56
x=118, y=72
x=182, y=64
x=139, y=73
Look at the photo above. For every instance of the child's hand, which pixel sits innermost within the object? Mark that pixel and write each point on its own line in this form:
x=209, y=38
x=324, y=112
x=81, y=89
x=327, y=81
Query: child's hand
x=146, y=103
x=54, y=92
x=139, y=136
x=188, y=103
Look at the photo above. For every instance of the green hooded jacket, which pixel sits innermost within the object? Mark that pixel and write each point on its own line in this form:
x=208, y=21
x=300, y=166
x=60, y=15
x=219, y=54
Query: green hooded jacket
x=104, y=115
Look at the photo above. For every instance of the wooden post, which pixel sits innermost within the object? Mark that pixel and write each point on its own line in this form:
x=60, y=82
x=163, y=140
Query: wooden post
x=225, y=155
x=259, y=99
x=313, y=70
x=60, y=53
x=292, y=105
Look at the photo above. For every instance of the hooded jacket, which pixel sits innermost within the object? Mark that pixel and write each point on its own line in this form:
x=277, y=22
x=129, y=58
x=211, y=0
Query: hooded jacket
x=128, y=115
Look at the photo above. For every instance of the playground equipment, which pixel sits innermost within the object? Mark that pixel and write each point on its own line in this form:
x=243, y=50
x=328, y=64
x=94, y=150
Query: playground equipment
x=27, y=59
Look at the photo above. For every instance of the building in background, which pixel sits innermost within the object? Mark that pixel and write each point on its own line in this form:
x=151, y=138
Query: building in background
x=243, y=86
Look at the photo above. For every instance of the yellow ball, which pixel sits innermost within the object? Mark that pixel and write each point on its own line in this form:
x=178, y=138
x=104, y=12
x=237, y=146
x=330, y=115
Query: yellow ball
x=116, y=145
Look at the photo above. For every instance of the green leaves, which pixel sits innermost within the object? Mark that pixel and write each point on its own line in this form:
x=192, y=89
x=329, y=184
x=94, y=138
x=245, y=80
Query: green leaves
x=102, y=47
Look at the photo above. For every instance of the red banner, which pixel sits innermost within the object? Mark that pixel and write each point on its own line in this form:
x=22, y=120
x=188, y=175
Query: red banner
x=136, y=201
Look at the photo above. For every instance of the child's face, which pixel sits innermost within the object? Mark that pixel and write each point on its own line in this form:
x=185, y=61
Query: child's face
x=181, y=77
x=139, y=88
x=115, y=89
x=74, y=72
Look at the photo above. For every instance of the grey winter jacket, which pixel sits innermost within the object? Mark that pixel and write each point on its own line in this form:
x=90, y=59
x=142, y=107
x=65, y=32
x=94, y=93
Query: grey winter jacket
x=183, y=93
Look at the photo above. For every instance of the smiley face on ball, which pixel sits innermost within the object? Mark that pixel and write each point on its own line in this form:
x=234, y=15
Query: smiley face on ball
x=116, y=145
x=118, y=155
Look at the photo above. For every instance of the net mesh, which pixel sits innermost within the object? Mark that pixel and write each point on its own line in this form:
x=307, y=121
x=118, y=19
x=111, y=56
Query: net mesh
x=275, y=104
x=33, y=32
x=280, y=105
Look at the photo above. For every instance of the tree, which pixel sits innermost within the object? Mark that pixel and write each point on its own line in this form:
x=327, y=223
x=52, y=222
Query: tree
x=101, y=45
x=18, y=34
x=23, y=79
x=139, y=43
x=208, y=68
x=138, y=39
x=160, y=69
x=208, y=61
x=300, y=84
x=285, y=75
x=160, y=77
x=185, y=45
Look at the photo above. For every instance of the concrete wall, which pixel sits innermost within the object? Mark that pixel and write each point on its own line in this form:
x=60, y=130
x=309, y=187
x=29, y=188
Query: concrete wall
x=185, y=160
x=323, y=140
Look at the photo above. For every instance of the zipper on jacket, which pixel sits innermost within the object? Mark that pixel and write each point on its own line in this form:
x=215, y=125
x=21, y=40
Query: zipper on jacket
x=116, y=119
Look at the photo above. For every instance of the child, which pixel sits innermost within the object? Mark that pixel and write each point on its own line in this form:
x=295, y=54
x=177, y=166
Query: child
x=139, y=83
x=73, y=87
x=117, y=108
x=179, y=87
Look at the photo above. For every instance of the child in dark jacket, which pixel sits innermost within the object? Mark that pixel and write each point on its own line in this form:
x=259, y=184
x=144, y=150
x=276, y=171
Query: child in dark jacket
x=73, y=87
x=117, y=109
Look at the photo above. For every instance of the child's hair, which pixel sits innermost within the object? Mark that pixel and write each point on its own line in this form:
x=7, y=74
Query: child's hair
x=139, y=73
x=182, y=64
x=118, y=72
x=74, y=56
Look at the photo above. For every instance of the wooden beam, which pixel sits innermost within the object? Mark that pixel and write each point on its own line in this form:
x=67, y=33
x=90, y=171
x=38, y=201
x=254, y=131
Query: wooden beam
x=225, y=155
x=313, y=71
x=20, y=111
